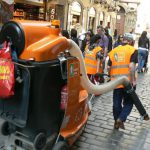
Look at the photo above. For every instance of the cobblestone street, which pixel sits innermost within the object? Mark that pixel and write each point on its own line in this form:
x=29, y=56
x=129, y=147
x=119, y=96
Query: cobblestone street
x=99, y=133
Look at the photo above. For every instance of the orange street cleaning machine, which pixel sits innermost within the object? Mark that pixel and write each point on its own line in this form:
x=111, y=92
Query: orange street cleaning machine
x=49, y=108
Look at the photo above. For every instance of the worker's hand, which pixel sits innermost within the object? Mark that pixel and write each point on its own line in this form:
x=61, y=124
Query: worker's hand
x=134, y=85
x=134, y=82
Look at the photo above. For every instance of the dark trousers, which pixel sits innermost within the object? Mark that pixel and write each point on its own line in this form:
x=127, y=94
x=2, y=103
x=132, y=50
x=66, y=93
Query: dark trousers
x=122, y=104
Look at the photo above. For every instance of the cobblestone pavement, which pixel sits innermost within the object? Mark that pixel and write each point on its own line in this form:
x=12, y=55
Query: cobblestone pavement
x=99, y=133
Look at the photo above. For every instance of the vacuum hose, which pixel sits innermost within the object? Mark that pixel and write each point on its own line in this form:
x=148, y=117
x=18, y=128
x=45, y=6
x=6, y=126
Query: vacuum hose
x=131, y=92
x=109, y=86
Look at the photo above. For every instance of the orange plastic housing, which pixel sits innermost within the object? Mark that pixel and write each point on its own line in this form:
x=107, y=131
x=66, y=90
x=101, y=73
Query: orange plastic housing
x=42, y=42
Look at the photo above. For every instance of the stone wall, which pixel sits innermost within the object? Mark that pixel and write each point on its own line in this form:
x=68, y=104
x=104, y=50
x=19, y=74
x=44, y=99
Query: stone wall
x=6, y=12
x=130, y=21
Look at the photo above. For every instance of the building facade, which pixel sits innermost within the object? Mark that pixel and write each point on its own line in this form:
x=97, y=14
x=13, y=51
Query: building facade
x=83, y=14
x=87, y=14
x=127, y=16
x=79, y=14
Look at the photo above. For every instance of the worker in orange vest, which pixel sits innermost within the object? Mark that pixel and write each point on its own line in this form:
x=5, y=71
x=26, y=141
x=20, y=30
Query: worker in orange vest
x=93, y=57
x=122, y=62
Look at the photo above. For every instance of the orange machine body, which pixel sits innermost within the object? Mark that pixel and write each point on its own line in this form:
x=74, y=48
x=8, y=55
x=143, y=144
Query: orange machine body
x=42, y=41
x=77, y=111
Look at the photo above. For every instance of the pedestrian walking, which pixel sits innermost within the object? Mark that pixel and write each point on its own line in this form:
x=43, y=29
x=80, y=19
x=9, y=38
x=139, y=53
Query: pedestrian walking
x=82, y=39
x=109, y=39
x=104, y=40
x=118, y=41
x=134, y=36
x=73, y=35
x=122, y=62
x=91, y=31
x=143, y=47
x=103, y=44
x=115, y=36
x=65, y=34
x=86, y=42
x=93, y=57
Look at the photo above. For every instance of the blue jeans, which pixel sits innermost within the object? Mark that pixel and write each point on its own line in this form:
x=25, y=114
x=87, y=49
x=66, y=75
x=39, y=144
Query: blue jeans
x=141, y=58
x=122, y=104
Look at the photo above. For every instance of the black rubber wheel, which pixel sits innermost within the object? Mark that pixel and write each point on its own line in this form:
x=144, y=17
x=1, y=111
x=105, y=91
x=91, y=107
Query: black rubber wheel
x=61, y=146
x=40, y=141
x=50, y=142
x=5, y=128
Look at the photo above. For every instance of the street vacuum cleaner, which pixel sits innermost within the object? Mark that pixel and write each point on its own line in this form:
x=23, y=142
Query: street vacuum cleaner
x=49, y=107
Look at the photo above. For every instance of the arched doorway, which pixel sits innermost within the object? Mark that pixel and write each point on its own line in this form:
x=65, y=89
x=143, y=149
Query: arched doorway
x=76, y=14
x=92, y=14
x=120, y=20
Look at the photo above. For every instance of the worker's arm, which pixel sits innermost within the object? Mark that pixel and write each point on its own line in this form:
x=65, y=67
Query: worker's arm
x=98, y=65
x=132, y=68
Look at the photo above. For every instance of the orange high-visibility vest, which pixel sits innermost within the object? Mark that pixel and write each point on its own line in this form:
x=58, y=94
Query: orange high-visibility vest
x=91, y=62
x=120, y=57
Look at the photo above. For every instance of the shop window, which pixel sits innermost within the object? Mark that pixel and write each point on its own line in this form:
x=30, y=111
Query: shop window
x=75, y=19
x=28, y=12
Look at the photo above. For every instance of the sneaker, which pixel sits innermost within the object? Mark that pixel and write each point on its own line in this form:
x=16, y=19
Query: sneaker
x=146, y=117
x=120, y=124
x=116, y=125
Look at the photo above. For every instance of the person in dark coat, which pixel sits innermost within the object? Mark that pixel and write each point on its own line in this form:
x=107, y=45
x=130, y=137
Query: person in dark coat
x=143, y=48
x=109, y=40
x=115, y=36
x=65, y=34
x=119, y=41
x=73, y=35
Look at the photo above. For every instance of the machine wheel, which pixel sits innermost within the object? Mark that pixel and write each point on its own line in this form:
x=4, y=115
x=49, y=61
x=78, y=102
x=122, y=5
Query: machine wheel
x=61, y=145
x=50, y=142
x=5, y=128
x=40, y=141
